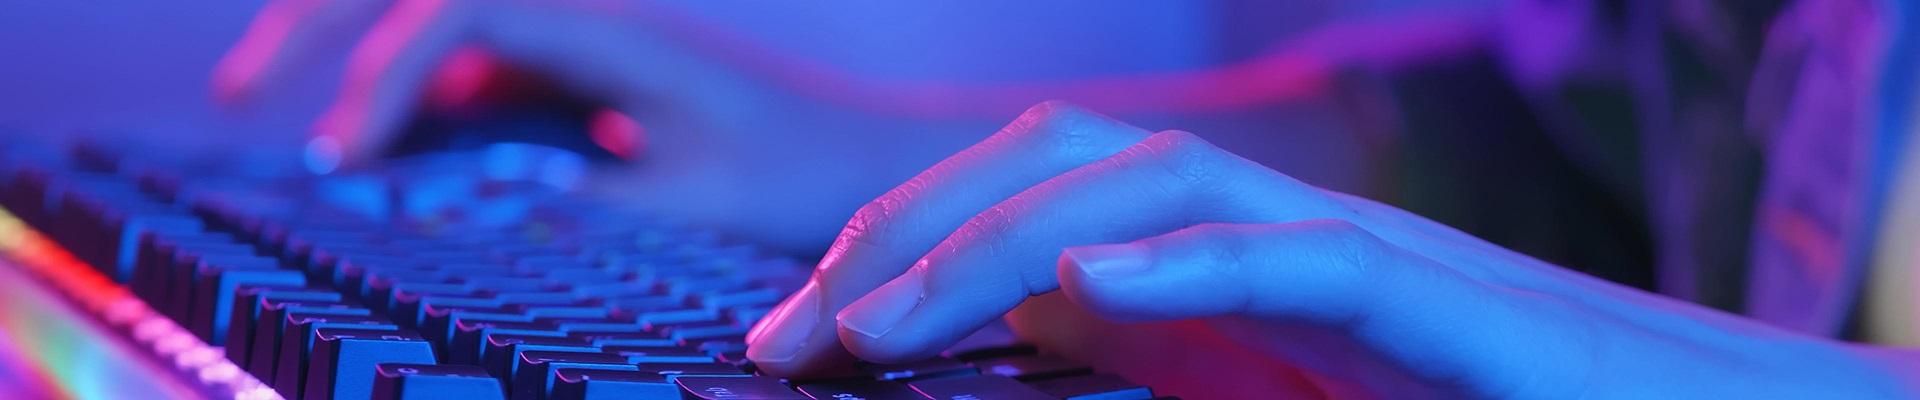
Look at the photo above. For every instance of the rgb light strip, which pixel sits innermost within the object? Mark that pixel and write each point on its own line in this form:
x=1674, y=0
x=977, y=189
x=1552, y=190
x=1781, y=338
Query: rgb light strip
x=83, y=369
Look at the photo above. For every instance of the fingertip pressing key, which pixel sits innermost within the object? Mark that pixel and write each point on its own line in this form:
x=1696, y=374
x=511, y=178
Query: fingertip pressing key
x=781, y=336
x=879, y=312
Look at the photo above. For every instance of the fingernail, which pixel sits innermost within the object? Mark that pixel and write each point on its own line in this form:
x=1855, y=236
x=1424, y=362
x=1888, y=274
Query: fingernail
x=780, y=336
x=1109, y=260
x=878, y=312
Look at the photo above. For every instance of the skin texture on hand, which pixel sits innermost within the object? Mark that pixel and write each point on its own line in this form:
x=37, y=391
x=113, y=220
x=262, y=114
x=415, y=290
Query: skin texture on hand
x=1365, y=299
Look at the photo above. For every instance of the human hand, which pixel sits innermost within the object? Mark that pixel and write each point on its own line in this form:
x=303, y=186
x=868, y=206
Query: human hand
x=1365, y=299
x=719, y=133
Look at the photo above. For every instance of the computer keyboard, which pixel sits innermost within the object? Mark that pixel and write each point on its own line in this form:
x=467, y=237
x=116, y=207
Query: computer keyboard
x=473, y=275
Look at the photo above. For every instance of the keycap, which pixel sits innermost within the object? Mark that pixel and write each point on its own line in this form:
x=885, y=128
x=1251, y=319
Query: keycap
x=469, y=335
x=860, y=389
x=677, y=316
x=729, y=344
x=406, y=301
x=526, y=299
x=505, y=283
x=269, y=330
x=937, y=367
x=441, y=315
x=693, y=333
x=584, y=311
x=635, y=337
x=533, y=379
x=400, y=381
x=249, y=301
x=659, y=354
x=376, y=285
x=1093, y=387
x=978, y=387
x=135, y=228
x=674, y=370
x=343, y=358
x=214, y=294
x=589, y=384
x=296, y=346
x=730, y=299
x=182, y=277
x=634, y=304
x=976, y=354
x=736, y=388
x=172, y=286
x=502, y=351
x=1034, y=367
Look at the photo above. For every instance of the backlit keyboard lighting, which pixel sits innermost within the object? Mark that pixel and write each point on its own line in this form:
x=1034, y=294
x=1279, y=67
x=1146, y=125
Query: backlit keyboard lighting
x=77, y=356
x=469, y=276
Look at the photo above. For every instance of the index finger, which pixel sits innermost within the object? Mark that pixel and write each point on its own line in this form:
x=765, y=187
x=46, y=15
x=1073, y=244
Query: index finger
x=1004, y=255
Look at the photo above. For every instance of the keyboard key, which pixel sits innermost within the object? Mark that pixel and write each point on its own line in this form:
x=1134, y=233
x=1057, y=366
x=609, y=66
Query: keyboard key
x=635, y=337
x=1093, y=387
x=184, y=277
x=983, y=353
x=135, y=228
x=533, y=378
x=729, y=299
x=1028, y=368
x=442, y=315
x=978, y=387
x=502, y=352
x=343, y=359
x=938, y=367
x=860, y=389
x=672, y=371
x=469, y=335
x=214, y=295
x=589, y=384
x=653, y=354
x=398, y=381
x=269, y=330
x=240, y=328
x=677, y=316
x=296, y=346
x=694, y=333
x=736, y=388
x=405, y=301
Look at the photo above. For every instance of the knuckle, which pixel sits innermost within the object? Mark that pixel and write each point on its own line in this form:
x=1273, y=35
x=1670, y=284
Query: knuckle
x=998, y=234
x=1195, y=162
x=1224, y=245
x=1064, y=131
x=875, y=223
x=1347, y=246
x=992, y=229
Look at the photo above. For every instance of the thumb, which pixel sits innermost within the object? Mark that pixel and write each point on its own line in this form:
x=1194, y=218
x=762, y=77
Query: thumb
x=1414, y=315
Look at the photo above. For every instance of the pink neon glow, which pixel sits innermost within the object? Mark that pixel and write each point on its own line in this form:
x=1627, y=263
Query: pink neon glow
x=387, y=41
x=460, y=77
x=1802, y=235
x=618, y=133
x=242, y=68
x=173, y=345
x=1299, y=69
